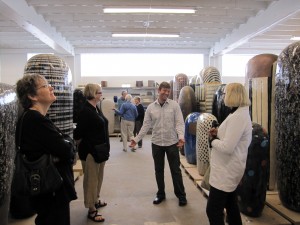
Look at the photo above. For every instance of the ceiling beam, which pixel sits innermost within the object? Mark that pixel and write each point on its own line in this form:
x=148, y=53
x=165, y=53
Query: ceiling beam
x=264, y=20
x=27, y=18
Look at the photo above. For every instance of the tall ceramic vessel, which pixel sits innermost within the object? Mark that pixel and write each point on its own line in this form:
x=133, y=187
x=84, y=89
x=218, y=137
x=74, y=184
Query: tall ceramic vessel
x=106, y=106
x=58, y=74
x=179, y=81
x=219, y=110
x=8, y=121
x=252, y=189
x=190, y=137
x=199, y=94
x=204, y=124
x=187, y=101
x=78, y=102
x=260, y=81
x=287, y=123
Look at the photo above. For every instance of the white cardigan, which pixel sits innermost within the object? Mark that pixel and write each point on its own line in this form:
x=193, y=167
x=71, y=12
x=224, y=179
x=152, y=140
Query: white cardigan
x=229, y=152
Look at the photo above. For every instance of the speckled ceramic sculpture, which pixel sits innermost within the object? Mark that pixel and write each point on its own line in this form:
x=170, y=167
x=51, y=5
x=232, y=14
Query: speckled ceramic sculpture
x=78, y=102
x=190, y=137
x=287, y=123
x=58, y=74
x=202, y=146
x=252, y=189
x=219, y=110
x=259, y=77
x=8, y=121
x=179, y=81
x=187, y=101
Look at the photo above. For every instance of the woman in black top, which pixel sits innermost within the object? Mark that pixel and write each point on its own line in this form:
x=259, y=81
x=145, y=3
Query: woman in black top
x=91, y=130
x=39, y=135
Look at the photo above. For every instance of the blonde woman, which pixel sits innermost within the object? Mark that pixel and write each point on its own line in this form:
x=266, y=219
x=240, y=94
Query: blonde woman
x=91, y=130
x=230, y=144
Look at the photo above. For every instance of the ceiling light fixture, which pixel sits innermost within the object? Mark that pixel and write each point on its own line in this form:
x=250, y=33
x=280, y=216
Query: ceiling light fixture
x=148, y=10
x=146, y=35
x=295, y=38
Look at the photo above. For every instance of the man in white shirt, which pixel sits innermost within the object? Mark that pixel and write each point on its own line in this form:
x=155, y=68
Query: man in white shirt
x=166, y=119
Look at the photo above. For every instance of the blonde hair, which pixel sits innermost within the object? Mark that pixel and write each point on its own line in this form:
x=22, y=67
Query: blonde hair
x=236, y=95
x=128, y=97
x=90, y=90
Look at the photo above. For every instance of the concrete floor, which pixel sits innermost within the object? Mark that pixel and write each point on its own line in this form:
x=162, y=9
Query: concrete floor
x=129, y=188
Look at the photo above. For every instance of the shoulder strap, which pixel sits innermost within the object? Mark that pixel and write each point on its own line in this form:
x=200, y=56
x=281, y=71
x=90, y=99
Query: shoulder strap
x=18, y=140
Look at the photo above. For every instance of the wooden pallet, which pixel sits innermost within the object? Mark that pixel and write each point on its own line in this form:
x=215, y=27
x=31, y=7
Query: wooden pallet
x=78, y=167
x=273, y=201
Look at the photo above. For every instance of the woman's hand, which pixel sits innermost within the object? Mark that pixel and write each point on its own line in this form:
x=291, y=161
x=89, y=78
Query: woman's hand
x=213, y=132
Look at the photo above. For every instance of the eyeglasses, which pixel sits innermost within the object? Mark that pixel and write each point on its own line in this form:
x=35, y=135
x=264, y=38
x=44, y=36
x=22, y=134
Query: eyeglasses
x=44, y=86
x=99, y=93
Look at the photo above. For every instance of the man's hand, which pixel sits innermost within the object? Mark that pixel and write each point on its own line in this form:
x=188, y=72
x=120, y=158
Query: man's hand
x=180, y=143
x=132, y=144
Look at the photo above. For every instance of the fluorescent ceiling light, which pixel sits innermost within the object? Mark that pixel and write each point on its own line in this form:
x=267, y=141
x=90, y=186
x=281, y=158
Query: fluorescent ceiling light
x=147, y=10
x=295, y=38
x=146, y=35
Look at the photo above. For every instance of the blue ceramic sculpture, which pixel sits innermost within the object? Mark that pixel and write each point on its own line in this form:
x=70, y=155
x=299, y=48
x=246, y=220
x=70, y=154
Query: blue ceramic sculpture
x=252, y=189
x=287, y=123
x=190, y=137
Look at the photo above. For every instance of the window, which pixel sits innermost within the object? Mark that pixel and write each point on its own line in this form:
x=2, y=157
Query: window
x=140, y=64
x=234, y=65
x=29, y=55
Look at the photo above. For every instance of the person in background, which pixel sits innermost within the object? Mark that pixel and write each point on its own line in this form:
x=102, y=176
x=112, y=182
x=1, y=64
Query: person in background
x=165, y=117
x=120, y=102
x=39, y=135
x=91, y=130
x=230, y=144
x=140, y=118
x=128, y=112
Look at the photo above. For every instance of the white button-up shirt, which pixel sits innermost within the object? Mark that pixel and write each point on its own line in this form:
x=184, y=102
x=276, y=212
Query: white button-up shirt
x=229, y=153
x=166, y=121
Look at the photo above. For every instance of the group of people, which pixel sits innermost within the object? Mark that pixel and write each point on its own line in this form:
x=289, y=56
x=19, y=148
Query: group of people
x=229, y=144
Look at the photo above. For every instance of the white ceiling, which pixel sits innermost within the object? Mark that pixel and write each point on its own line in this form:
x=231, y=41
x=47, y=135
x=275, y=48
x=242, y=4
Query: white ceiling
x=217, y=27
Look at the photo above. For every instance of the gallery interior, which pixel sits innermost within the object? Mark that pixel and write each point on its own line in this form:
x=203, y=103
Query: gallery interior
x=196, y=46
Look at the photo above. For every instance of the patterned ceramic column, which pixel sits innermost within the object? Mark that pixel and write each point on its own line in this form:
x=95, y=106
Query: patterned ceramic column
x=252, y=189
x=179, y=81
x=204, y=124
x=8, y=121
x=287, y=123
x=58, y=74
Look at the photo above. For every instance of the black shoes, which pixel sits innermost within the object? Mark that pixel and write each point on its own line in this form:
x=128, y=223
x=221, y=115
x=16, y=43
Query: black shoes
x=158, y=200
x=182, y=202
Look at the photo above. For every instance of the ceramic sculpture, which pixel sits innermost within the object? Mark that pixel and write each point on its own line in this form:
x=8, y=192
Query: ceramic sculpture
x=204, y=124
x=58, y=74
x=252, y=189
x=8, y=121
x=260, y=81
x=199, y=94
x=192, y=82
x=78, y=102
x=219, y=110
x=190, y=137
x=210, y=75
x=171, y=82
x=209, y=91
x=106, y=106
x=287, y=123
x=187, y=101
x=179, y=81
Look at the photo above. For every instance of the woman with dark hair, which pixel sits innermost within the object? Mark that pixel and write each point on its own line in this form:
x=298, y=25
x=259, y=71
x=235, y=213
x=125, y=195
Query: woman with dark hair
x=40, y=136
x=91, y=130
x=229, y=152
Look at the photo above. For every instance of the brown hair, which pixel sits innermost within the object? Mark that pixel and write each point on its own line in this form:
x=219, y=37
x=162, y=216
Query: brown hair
x=164, y=84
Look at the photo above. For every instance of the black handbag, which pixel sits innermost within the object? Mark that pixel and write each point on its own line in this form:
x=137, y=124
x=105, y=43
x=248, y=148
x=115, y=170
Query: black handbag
x=100, y=153
x=37, y=177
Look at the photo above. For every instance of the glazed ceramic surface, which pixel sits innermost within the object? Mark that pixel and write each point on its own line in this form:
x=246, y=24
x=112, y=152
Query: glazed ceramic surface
x=187, y=101
x=210, y=75
x=204, y=124
x=287, y=123
x=219, y=110
x=199, y=94
x=78, y=102
x=8, y=121
x=209, y=91
x=190, y=137
x=252, y=189
x=179, y=81
x=58, y=74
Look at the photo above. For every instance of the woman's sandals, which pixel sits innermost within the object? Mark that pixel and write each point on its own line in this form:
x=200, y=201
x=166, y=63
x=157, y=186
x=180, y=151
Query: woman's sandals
x=95, y=216
x=100, y=204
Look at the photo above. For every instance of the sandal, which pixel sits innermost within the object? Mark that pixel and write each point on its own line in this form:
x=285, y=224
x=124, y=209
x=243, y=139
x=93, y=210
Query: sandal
x=100, y=204
x=95, y=216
